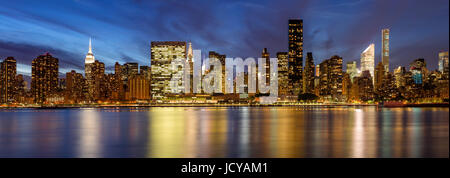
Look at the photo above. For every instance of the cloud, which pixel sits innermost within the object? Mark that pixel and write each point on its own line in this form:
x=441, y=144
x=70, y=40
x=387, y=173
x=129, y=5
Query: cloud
x=25, y=53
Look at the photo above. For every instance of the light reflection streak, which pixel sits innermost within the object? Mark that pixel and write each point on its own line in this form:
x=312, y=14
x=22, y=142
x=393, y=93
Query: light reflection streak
x=358, y=135
x=89, y=133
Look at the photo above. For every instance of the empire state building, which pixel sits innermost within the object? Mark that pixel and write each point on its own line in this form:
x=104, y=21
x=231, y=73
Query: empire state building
x=89, y=63
x=89, y=56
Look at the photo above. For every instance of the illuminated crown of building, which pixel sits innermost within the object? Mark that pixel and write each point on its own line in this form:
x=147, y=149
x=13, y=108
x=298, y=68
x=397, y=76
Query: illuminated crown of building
x=89, y=56
x=368, y=59
x=190, y=52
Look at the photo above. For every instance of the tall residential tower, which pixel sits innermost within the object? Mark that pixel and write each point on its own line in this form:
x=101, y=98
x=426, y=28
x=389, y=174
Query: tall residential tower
x=385, y=49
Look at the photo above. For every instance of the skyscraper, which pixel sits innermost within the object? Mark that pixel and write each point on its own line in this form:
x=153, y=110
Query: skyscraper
x=385, y=49
x=282, y=73
x=368, y=60
x=308, y=77
x=399, y=73
x=379, y=76
x=443, y=64
x=88, y=65
x=295, y=55
x=44, y=77
x=162, y=54
x=331, y=77
x=266, y=55
x=98, y=82
x=352, y=69
x=221, y=58
x=418, y=70
x=362, y=88
x=190, y=61
x=8, y=71
x=75, y=82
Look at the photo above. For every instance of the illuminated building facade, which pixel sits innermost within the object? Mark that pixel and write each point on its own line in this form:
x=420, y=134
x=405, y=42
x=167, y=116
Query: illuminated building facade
x=162, y=54
x=385, y=49
x=362, y=89
x=352, y=69
x=331, y=76
x=346, y=86
x=418, y=70
x=44, y=77
x=283, y=78
x=399, y=73
x=221, y=58
x=443, y=64
x=368, y=60
x=8, y=69
x=295, y=56
x=266, y=55
x=88, y=70
x=97, y=84
x=379, y=76
x=21, y=89
x=139, y=88
x=308, y=77
x=75, y=84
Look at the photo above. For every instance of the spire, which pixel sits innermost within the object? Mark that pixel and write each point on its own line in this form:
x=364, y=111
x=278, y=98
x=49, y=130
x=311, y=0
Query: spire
x=90, y=46
x=89, y=56
x=190, y=52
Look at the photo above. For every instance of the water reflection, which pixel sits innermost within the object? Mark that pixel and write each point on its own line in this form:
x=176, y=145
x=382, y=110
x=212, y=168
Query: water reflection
x=225, y=132
x=89, y=133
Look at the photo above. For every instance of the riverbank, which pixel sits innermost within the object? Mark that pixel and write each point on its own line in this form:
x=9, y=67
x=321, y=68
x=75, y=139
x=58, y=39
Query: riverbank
x=220, y=105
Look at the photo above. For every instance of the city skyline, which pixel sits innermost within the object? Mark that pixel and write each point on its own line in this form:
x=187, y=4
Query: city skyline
x=48, y=32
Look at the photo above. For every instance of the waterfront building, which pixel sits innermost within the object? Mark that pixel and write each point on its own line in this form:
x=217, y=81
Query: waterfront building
x=75, y=84
x=283, y=78
x=8, y=70
x=266, y=55
x=221, y=58
x=331, y=76
x=362, y=89
x=295, y=56
x=118, y=92
x=346, y=87
x=21, y=89
x=308, y=77
x=352, y=69
x=88, y=70
x=190, y=62
x=443, y=64
x=97, y=84
x=368, y=59
x=418, y=70
x=399, y=73
x=385, y=49
x=379, y=76
x=146, y=72
x=44, y=77
x=162, y=54
x=139, y=88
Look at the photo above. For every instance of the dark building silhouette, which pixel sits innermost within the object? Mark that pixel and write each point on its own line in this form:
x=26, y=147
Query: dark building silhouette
x=308, y=74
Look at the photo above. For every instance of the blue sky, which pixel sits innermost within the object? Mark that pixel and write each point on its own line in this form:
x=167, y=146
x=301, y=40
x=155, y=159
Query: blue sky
x=122, y=30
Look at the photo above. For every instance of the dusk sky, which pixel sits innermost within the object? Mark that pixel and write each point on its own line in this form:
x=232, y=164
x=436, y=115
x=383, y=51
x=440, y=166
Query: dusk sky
x=122, y=30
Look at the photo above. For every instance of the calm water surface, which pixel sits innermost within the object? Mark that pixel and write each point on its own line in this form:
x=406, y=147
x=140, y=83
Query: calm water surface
x=225, y=132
